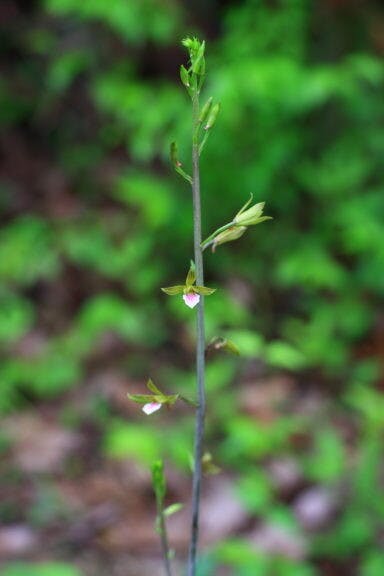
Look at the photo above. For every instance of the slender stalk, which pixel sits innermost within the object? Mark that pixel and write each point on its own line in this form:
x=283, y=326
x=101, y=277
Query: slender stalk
x=164, y=541
x=208, y=241
x=200, y=343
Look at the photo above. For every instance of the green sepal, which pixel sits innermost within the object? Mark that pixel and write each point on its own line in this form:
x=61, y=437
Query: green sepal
x=203, y=290
x=161, y=398
x=251, y=216
x=173, y=508
x=245, y=205
x=191, y=276
x=173, y=290
x=254, y=211
x=142, y=398
x=184, y=76
x=263, y=219
x=170, y=399
x=153, y=388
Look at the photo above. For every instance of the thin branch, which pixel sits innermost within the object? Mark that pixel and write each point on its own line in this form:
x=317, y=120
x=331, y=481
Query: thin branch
x=164, y=542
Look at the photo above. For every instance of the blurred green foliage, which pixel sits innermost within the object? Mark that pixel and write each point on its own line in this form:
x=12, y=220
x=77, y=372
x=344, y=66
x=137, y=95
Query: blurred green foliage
x=40, y=569
x=86, y=244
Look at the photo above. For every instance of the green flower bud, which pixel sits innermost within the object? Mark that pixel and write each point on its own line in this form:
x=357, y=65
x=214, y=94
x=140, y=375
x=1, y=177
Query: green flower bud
x=220, y=343
x=198, y=61
x=205, y=110
x=184, y=76
x=212, y=117
x=191, y=44
x=174, y=157
x=228, y=235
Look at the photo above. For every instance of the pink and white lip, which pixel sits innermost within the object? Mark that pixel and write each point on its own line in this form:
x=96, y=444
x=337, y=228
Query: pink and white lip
x=191, y=299
x=151, y=407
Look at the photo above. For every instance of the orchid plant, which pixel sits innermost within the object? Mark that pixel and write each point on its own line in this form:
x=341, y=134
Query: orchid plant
x=193, y=293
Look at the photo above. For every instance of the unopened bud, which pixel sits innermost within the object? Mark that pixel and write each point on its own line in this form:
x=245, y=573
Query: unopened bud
x=184, y=76
x=205, y=110
x=212, y=116
x=198, y=62
x=228, y=235
x=174, y=159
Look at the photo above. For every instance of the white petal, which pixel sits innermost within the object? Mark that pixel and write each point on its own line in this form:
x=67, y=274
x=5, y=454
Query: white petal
x=191, y=299
x=151, y=407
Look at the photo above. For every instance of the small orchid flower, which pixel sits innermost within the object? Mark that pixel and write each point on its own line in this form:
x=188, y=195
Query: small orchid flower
x=191, y=292
x=153, y=402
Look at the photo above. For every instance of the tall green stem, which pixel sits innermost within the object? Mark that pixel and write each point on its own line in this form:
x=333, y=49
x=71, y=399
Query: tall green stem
x=200, y=343
x=164, y=541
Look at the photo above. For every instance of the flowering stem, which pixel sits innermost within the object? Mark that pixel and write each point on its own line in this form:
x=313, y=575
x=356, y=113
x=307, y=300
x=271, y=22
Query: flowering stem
x=164, y=541
x=200, y=343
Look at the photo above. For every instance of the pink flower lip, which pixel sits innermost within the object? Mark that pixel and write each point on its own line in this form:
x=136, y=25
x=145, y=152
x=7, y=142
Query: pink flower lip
x=151, y=407
x=191, y=299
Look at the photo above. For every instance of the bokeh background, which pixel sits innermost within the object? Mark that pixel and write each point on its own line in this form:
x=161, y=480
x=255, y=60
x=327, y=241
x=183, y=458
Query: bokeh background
x=94, y=221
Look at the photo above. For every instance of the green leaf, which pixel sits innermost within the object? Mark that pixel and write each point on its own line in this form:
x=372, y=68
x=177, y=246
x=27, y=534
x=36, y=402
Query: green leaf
x=158, y=480
x=124, y=440
x=173, y=290
x=284, y=355
x=204, y=291
x=173, y=508
x=39, y=569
